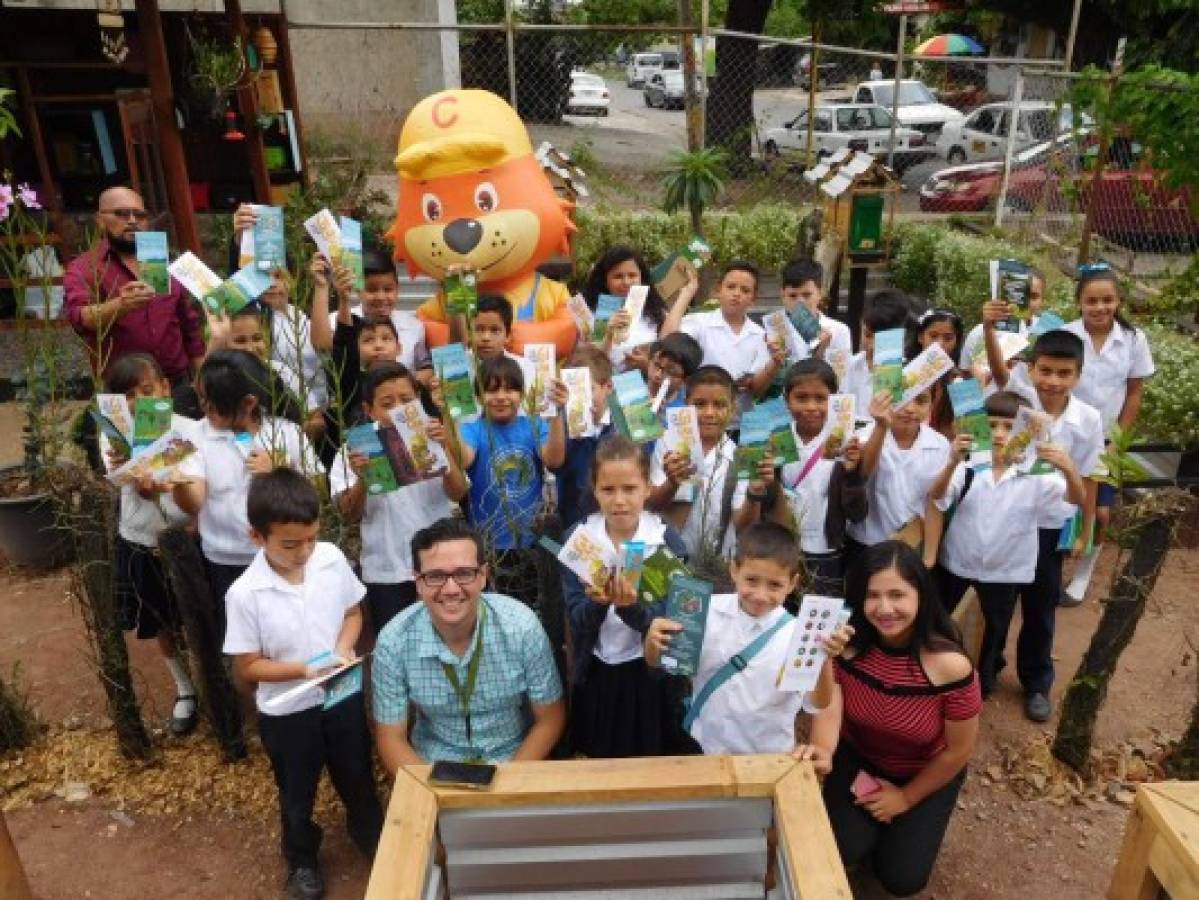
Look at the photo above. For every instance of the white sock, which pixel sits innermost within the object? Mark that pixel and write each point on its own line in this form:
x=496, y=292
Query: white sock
x=1083, y=569
x=183, y=684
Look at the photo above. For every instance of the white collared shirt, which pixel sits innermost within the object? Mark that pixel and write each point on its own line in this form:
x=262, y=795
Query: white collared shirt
x=705, y=492
x=738, y=353
x=991, y=537
x=295, y=359
x=809, y=496
x=221, y=464
x=898, y=488
x=141, y=520
x=389, y=521
x=839, y=337
x=290, y=622
x=859, y=381
x=748, y=713
x=1105, y=372
x=617, y=642
x=1078, y=431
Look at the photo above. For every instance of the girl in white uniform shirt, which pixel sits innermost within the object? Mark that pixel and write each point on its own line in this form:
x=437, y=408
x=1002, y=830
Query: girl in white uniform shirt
x=618, y=270
x=236, y=441
x=1116, y=363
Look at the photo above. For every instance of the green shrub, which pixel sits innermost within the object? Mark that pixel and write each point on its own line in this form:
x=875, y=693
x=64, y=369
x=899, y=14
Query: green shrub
x=765, y=235
x=1170, y=411
x=914, y=267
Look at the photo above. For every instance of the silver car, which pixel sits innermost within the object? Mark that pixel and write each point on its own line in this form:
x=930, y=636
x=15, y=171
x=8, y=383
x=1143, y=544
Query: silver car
x=665, y=89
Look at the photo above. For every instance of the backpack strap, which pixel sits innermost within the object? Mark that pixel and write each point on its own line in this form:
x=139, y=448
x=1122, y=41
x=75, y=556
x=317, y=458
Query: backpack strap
x=737, y=664
x=726, y=500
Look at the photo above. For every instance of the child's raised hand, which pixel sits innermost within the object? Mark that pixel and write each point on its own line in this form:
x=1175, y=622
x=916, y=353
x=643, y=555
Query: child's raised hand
x=837, y=641
x=852, y=457
x=995, y=311
x=244, y=217
x=259, y=462
x=765, y=474
x=1055, y=456
x=343, y=280
x=319, y=269
x=660, y=633
x=219, y=328
x=115, y=457
x=981, y=373
x=882, y=405
x=678, y=468
x=821, y=759
x=358, y=462
x=826, y=338
x=436, y=392
x=961, y=446
x=558, y=392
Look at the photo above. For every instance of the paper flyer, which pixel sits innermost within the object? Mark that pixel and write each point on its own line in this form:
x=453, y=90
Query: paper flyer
x=605, y=308
x=151, y=420
x=783, y=447
x=634, y=305
x=630, y=563
x=545, y=370
x=325, y=233
x=192, y=272
x=682, y=435
x=687, y=604
x=1011, y=282
x=841, y=412
x=1011, y=343
x=579, y=401
x=922, y=372
x=153, y=257
x=379, y=476
x=1030, y=430
x=583, y=316
x=818, y=618
x=591, y=560
x=806, y=322
x=660, y=569
x=428, y=456
x=351, y=250
x=781, y=334
x=280, y=701
x=269, y=242
x=1046, y=322
x=970, y=417
x=888, y=362
x=631, y=408
x=244, y=287
x=115, y=408
x=754, y=442
x=457, y=387
x=838, y=360
x=461, y=291
x=159, y=461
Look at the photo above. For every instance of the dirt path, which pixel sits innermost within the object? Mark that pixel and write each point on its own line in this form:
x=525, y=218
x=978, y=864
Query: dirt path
x=184, y=844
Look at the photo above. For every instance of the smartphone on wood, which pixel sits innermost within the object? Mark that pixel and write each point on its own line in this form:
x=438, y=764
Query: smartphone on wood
x=473, y=776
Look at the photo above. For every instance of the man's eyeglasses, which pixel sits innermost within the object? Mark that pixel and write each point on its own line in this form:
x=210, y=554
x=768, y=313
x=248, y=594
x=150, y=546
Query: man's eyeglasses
x=462, y=577
x=137, y=215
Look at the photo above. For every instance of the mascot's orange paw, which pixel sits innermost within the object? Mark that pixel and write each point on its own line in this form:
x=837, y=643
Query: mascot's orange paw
x=472, y=195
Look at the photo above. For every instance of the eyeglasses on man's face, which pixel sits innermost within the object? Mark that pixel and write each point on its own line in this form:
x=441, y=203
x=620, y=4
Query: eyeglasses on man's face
x=463, y=577
x=128, y=213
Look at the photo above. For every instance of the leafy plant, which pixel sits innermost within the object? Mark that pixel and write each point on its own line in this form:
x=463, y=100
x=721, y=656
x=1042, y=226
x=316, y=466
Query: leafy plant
x=218, y=67
x=1170, y=410
x=8, y=118
x=693, y=181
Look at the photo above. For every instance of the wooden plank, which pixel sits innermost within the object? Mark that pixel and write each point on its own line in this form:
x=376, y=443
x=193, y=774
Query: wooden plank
x=806, y=839
x=247, y=108
x=13, y=885
x=583, y=781
x=1132, y=879
x=1175, y=873
x=284, y=63
x=406, y=846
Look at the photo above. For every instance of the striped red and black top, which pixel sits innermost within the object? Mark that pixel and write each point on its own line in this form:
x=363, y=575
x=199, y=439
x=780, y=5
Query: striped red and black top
x=894, y=716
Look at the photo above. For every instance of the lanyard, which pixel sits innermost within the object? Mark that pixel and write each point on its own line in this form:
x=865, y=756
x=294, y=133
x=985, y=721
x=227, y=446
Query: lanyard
x=815, y=457
x=472, y=673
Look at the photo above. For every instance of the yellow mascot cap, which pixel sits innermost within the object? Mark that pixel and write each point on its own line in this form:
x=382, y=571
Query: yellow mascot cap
x=452, y=132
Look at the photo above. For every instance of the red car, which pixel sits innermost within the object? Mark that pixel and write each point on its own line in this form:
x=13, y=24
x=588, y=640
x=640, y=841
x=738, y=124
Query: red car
x=1056, y=178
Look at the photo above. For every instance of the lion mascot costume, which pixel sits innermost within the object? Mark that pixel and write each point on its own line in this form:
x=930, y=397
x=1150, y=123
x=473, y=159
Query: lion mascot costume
x=471, y=194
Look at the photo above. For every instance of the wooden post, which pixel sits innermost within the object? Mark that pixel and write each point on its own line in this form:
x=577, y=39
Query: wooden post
x=13, y=884
x=695, y=124
x=286, y=66
x=247, y=108
x=170, y=144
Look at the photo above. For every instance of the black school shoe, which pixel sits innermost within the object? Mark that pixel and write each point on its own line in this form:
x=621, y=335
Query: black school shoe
x=305, y=884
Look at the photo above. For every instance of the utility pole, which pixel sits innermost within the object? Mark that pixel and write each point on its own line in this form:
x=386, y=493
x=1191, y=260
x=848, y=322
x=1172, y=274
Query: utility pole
x=1073, y=34
x=903, y=31
x=691, y=99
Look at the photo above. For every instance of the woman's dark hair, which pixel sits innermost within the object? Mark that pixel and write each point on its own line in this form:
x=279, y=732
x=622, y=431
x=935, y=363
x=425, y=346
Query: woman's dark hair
x=932, y=630
x=597, y=281
x=811, y=369
x=227, y=377
x=931, y=317
x=127, y=371
x=1096, y=275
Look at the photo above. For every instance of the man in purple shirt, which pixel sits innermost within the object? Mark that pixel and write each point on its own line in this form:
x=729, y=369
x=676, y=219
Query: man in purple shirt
x=115, y=313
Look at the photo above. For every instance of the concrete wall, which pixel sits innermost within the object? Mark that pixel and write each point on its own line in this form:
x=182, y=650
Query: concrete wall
x=361, y=83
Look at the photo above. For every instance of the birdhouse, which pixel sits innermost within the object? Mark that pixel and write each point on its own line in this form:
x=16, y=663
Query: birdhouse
x=858, y=190
x=268, y=48
x=566, y=177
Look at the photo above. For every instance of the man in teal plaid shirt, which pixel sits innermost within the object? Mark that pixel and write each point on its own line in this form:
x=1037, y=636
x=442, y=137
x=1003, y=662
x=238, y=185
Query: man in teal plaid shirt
x=471, y=671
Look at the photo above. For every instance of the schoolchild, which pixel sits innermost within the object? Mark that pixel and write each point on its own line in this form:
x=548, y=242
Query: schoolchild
x=619, y=708
x=736, y=706
x=294, y=614
x=390, y=519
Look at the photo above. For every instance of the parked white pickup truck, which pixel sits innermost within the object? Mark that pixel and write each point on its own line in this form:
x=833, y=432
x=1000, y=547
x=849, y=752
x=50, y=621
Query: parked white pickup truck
x=918, y=108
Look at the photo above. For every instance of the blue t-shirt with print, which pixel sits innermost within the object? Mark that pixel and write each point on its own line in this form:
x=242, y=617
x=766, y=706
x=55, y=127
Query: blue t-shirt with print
x=506, y=478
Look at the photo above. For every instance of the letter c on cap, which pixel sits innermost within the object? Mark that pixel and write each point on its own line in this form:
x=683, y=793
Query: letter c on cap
x=444, y=118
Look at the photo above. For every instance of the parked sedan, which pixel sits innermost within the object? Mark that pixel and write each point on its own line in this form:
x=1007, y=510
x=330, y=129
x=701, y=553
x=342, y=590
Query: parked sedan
x=588, y=94
x=984, y=133
x=665, y=89
x=854, y=126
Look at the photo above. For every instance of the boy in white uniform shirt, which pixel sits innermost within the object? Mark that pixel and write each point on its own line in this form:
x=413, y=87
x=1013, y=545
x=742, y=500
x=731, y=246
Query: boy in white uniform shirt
x=733, y=341
x=745, y=712
x=299, y=601
x=801, y=283
x=991, y=541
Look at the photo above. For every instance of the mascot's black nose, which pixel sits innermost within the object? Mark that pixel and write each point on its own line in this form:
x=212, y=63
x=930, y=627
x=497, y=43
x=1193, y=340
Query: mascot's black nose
x=463, y=235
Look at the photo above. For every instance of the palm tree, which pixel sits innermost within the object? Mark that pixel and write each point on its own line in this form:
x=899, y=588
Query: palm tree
x=694, y=180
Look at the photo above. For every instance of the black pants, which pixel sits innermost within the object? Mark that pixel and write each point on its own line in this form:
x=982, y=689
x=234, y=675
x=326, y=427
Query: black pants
x=998, y=602
x=300, y=745
x=904, y=852
x=386, y=601
x=220, y=578
x=1038, y=607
